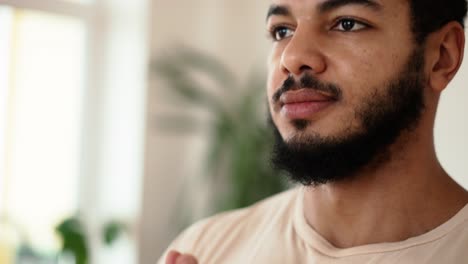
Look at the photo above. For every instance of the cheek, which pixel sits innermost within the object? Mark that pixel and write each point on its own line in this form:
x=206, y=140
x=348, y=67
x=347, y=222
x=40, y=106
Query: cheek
x=369, y=70
x=274, y=82
x=271, y=83
x=275, y=78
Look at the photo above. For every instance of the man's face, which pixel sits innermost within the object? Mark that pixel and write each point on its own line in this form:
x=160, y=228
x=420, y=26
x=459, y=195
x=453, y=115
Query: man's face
x=355, y=45
x=345, y=78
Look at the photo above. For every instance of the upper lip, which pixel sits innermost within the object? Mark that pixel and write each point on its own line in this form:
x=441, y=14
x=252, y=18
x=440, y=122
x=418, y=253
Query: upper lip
x=304, y=95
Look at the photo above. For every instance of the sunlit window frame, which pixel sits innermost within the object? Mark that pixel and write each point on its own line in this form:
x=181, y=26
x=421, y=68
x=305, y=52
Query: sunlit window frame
x=101, y=149
x=85, y=12
x=68, y=8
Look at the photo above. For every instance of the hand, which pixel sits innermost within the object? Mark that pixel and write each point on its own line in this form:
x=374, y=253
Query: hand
x=174, y=257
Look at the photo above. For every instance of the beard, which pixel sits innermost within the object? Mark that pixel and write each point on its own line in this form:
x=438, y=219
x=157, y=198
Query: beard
x=313, y=159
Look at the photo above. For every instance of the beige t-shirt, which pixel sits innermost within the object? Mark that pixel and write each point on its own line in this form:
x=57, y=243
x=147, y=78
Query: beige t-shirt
x=275, y=231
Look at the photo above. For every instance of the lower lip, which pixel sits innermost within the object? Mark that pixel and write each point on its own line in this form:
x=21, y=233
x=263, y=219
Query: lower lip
x=304, y=110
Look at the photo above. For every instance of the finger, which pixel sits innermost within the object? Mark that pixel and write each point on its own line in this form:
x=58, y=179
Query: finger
x=186, y=259
x=172, y=257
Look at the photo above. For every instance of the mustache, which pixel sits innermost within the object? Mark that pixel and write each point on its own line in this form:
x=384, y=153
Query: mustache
x=307, y=81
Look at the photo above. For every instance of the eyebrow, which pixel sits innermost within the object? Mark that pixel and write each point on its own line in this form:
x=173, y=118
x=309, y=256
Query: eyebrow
x=334, y=4
x=327, y=6
x=278, y=10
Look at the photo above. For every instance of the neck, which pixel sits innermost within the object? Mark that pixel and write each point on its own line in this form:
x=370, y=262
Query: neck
x=405, y=197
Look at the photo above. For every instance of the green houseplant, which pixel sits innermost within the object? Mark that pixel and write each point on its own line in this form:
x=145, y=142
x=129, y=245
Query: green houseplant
x=240, y=140
x=75, y=240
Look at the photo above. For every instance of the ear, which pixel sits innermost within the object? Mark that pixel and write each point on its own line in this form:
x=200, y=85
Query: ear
x=445, y=49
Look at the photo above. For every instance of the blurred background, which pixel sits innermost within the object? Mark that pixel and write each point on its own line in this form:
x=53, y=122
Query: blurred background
x=121, y=122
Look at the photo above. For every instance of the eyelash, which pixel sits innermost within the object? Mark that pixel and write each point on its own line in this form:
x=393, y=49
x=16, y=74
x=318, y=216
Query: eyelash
x=356, y=21
x=274, y=29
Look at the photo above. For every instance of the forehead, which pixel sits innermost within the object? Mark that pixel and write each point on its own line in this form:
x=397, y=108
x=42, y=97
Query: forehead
x=317, y=2
x=291, y=7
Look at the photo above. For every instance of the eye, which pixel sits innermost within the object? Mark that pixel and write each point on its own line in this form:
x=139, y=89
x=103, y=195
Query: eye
x=280, y=32
x=349, y=25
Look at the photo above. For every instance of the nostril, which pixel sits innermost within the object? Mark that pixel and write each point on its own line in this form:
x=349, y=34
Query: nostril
x=305, y=68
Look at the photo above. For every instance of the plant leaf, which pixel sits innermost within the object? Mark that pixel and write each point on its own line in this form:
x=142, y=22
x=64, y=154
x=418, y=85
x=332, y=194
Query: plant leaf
x=186, y=87
x=112, y=231
x=208, y=64
x=73, y=235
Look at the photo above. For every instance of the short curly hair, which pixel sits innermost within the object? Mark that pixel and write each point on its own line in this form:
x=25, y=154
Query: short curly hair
x=430, y=15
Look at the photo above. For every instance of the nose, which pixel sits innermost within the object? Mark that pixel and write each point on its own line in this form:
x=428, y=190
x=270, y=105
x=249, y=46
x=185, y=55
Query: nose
x=302, y=53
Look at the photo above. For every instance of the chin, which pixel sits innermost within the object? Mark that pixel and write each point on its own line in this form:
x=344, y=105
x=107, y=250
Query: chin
x=299, y=127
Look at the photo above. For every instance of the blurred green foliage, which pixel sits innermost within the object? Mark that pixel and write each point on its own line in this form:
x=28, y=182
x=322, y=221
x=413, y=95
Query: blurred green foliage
x=113, y=230
x=75, y=239
x=239, y=139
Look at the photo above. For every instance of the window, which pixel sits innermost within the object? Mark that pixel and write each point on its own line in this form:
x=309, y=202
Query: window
x=72, y=119
x=42, y=85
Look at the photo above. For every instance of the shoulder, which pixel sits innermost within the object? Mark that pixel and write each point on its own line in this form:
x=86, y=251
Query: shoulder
x=230, y=227
x=452, y=245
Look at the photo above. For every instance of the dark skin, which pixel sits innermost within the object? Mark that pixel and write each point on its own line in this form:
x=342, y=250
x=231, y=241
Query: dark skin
x=410, y=193
x=339, y=42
